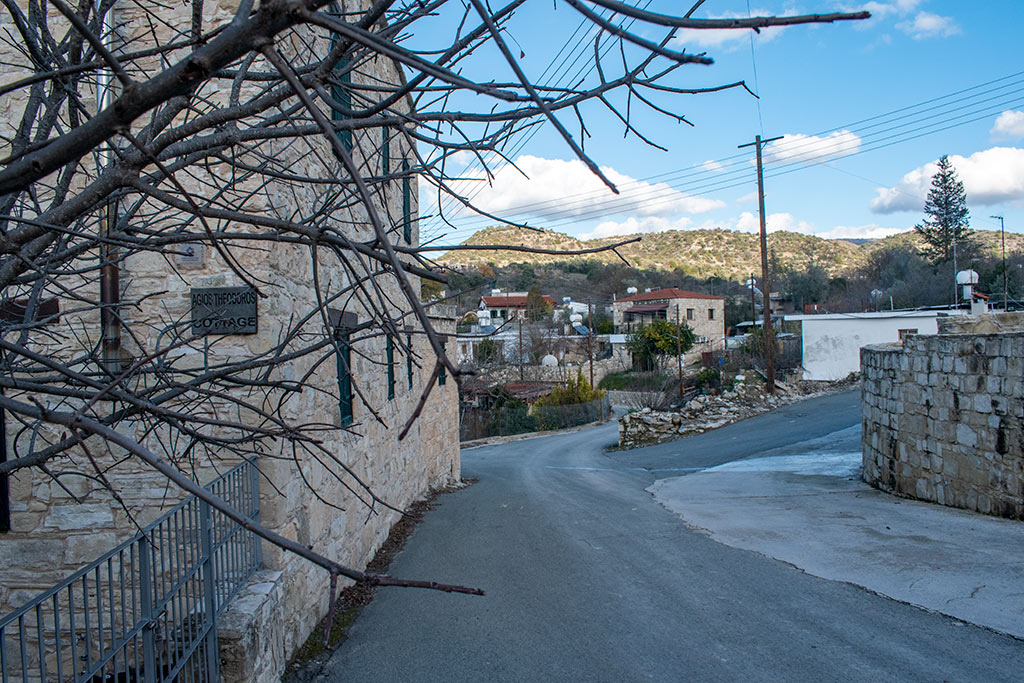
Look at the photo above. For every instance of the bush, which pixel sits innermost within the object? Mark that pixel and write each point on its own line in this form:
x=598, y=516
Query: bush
x=628, y=380
x=576, y=390
x=709, y=378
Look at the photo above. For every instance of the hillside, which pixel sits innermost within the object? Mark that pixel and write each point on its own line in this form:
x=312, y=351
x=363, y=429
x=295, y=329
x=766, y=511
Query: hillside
x=703, y=253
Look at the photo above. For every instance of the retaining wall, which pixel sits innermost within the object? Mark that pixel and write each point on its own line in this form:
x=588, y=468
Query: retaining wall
x=942, y=418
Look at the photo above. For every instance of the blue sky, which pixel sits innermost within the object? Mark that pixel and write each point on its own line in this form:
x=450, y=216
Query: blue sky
x=866, y=107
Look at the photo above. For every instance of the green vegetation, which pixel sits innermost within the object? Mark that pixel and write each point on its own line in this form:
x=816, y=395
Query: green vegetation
x=836, y=275
x=576, y=390
x=946, y=230
x=648, y=343
x=635, y=381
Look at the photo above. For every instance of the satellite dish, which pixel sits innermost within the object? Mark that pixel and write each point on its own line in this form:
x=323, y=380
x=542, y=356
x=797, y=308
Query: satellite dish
x=549, y=361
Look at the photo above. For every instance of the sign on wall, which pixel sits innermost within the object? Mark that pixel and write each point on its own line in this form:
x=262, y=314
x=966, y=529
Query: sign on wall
x=224, y=310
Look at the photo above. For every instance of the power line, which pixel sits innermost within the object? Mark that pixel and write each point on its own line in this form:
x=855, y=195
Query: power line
x=876, y=132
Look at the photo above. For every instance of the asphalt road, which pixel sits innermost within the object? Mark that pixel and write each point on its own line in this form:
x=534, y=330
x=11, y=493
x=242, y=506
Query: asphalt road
x=589, y=579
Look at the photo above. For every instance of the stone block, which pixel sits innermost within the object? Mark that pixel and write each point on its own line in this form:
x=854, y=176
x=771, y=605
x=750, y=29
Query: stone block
x=81, y=549
x=91, y=516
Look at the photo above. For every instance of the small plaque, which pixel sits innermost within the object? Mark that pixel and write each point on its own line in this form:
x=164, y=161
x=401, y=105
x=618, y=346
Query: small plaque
x=224, y=310
x=190, y=255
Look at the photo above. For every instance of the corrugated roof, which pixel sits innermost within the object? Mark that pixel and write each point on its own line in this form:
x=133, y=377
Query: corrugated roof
x=669, y=293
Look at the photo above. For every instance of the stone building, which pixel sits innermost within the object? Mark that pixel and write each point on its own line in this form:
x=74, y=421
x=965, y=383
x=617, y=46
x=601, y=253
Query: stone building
x=704, y=313
x=358, y=388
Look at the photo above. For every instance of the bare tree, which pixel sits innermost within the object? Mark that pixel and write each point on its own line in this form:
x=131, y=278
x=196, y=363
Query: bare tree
x=139, y=135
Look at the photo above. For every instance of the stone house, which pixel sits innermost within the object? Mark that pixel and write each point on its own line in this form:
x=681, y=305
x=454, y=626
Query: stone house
x=704, y=313
x=359, y=390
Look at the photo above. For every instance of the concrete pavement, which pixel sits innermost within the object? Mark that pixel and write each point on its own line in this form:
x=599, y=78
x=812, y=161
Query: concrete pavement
x=807, y=506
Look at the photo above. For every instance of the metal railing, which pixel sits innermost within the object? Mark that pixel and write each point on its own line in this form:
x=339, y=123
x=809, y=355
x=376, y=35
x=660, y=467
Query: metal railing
x=146, y=610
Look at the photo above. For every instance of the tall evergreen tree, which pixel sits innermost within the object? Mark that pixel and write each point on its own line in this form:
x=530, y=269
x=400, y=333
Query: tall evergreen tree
x=946, y=228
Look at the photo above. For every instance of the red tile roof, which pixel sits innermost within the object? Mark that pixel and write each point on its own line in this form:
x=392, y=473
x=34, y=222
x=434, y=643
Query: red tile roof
x=505, y=301
x=669, y=293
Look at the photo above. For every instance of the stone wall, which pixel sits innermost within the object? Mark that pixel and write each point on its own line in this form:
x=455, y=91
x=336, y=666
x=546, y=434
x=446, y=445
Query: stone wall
x=942, y=416
x=62, y=522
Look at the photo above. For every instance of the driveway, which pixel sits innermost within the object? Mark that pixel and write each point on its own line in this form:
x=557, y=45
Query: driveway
x=590, y=578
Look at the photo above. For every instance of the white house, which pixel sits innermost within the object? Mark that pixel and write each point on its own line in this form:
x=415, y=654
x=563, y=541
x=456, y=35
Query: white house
x=832, y=341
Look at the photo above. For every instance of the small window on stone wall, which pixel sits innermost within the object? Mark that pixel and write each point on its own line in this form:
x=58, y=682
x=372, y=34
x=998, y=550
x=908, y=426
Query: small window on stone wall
x=904, y=333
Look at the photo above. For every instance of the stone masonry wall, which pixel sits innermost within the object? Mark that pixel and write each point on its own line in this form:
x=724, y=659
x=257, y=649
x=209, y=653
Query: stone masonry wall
x=942, y=419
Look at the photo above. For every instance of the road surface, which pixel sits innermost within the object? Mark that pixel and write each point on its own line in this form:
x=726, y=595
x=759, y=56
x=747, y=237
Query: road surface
x=588, y=578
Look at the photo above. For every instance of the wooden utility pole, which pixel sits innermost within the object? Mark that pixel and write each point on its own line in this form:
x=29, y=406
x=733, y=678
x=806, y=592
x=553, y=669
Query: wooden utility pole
x=766, y=284
x=518, y=315
x=679, y=352
x=753, y=306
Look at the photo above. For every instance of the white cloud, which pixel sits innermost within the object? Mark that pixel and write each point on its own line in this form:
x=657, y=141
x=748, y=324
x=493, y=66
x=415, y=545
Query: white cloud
x=928, y=25
x=883, y=9
x=699, y=39
x=570, y=189
x=1009, y=124
x=872, y=232
x=748, y=222
x=749, y=197
x=712, y=166
x=991, y=176
x=812, y=148
x=633, y=226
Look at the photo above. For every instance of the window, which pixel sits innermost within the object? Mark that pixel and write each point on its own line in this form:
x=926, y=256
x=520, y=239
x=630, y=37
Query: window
x=408, y=360
x=341, y=95
x=342, y=77
x=385, y=151
x=711, y=314
x=689, y=314
x=389, y=349
x=343, y=324
x=903, y=333
x=406, y=203
x=442, y=377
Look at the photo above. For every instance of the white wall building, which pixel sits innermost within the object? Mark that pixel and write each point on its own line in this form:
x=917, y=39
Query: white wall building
x=832, y=341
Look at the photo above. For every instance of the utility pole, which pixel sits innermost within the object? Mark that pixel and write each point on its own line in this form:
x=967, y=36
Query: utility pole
x=679, y=352
x=519, y=315
x=590, y=340
x=1002, y=232
x=753, y=306
x=766, y=285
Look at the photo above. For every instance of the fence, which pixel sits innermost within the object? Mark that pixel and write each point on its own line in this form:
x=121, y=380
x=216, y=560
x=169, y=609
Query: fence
x=520, y=418
x=147, y=610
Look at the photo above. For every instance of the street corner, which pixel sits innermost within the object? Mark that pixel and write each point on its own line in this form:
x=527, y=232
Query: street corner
x=812, y=510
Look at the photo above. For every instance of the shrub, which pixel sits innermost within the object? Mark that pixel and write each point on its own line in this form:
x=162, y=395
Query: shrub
x=576, y=390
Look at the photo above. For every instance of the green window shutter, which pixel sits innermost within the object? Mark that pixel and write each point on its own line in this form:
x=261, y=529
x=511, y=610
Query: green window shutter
x=341, y=95
x=408, y=360
x=406, y=203
x=343, y=358
x=442, y=377
x=390, y=350
x=385, y=151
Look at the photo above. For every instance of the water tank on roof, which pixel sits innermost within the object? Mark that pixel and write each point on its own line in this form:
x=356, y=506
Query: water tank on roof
x=647, y=290
x=576, y=318
x=566, y=299
x=631, y=290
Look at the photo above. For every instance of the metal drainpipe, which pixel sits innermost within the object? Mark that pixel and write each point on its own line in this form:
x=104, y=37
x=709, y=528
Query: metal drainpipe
x=110, y=270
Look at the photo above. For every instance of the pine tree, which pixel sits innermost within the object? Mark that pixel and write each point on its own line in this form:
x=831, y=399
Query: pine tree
x=946, y=229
